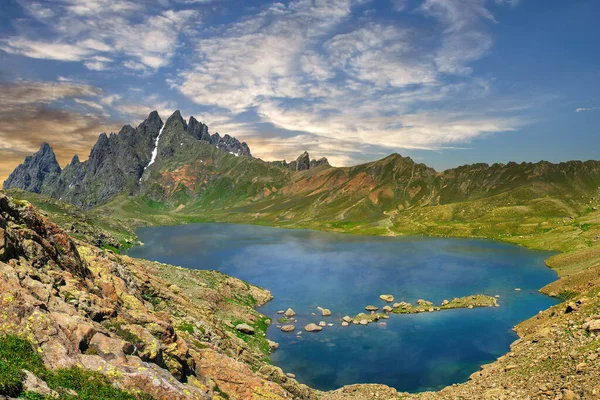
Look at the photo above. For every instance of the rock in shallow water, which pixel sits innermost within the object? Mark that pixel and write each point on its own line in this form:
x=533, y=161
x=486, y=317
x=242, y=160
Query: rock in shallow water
x=288, y=328
x=387, y=298
x=313, y=328
x=289, y=313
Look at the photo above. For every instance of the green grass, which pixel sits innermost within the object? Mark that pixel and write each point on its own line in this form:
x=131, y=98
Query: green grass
x=17, y=354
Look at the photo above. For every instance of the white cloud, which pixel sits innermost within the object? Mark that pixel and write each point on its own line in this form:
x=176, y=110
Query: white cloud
x=304, y=68
x=87, y=30
x=587, y=109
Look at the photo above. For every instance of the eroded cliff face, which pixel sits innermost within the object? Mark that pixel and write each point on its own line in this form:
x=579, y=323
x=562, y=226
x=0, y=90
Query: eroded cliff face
x=151, y=328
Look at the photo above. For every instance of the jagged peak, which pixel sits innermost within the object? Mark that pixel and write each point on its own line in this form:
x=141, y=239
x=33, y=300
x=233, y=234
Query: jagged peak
x=75, y=160
x=153, y=116
x=45, y=148
x=176, y=116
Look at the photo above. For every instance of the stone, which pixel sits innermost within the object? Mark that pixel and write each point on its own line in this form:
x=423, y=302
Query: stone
x=325, y=312
x=345, y=323
x=289, y=375
x=288, y=328
x=388, y=298
x=289, y=313
x=108, y=348
x=2, y=243
x=363, y=322
x=32, y=383
x=272, y=345
x=312, y=328
x=397, y=305
x=371, y=308
x=517, y=289
x=568, y=394
x=245, y=328
x=388, y=309
x=581, y=367
x=422, y=302
x=571, y=307
x=280, y=312
x=592, y=326
x=322, y=323
x=445, y=302
x=347, y=318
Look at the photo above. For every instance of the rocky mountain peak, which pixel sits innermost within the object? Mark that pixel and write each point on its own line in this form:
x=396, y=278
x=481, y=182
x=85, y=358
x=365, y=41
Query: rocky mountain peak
x=75, y=160
x=176, y=116
x=302, y=163
x=35, y=171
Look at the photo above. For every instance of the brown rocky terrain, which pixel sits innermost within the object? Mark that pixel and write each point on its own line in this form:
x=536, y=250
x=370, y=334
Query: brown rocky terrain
x=128, y=319
x=170, y=332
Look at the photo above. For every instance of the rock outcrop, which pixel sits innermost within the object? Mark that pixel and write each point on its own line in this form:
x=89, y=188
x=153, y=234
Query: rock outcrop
x=302, y=163
x=148, y=327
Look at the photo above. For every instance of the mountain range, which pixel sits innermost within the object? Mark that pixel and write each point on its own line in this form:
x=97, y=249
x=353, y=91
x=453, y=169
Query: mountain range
x=178, y=168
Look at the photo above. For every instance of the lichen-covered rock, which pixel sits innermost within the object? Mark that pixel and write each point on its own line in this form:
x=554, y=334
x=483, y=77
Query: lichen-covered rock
x=147, y=326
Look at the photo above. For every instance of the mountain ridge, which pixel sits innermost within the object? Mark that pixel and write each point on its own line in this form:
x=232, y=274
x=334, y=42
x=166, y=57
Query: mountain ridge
x=198, y=175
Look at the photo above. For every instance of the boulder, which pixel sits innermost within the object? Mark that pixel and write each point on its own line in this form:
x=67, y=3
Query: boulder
x=422, y=302
x=345, y=323
x=312, y=328
x=347, y=318
x=245, y=328
x=322, y=323
x=571, y=307
x=288, y=328
x=325, y=312
x=363, y=322
x=108, y=348
x=371, y=308
x=592, y=326
x=273, y=345
x=445, y=302
x=388, y=309
x=32, y=383
x=387, y=298
x=280, y=312
x=289, y=313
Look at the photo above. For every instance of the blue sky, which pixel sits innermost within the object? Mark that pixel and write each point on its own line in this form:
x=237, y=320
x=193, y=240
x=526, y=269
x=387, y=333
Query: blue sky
x=447, y=82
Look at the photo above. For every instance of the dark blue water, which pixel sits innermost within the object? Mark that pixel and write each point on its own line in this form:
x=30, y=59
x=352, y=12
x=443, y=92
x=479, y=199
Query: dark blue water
x=305, y=269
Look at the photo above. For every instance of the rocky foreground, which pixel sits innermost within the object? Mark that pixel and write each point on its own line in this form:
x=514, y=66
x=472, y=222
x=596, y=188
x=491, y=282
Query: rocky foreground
x=153, y=330
x=163, y=332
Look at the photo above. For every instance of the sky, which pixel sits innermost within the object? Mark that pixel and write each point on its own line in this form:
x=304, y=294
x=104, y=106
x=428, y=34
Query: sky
x=446, y=82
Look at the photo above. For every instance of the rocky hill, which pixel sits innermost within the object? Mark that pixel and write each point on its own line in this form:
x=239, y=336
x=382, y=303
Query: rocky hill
x=155, y=331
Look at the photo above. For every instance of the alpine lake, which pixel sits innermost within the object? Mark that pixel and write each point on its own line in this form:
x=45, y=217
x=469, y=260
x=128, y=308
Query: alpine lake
x=344, y=273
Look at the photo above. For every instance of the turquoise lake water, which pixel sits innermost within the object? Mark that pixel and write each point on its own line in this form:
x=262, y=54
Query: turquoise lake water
x=306, y=269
